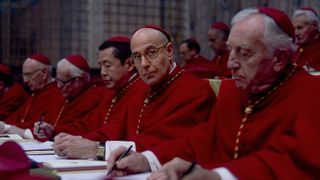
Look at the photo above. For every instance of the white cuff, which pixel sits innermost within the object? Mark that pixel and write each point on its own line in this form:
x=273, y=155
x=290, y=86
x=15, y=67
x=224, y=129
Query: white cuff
x=224, y=173
x=7, y=127
x=28, y=134
x=153, y=161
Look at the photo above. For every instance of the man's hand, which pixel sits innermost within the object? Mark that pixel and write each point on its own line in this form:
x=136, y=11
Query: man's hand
x=16, y=130
x=43, y=130
x=133, y=163
x=70, y=146
x=2, y=127
x=176, y=169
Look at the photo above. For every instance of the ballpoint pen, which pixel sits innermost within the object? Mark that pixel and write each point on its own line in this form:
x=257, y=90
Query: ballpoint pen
x=124, y=154
x=189, y=170
x=41, y=121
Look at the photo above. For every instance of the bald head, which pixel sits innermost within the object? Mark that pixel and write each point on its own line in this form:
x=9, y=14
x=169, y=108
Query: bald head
x=152, y=55
x=144, y=35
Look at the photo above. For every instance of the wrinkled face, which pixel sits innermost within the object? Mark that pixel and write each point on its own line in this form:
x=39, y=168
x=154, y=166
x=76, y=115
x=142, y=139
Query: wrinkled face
x=69, y=85
x=216, y=41
x=249, y=62
x=304, y=30
x=114, y=74
x=33, y=76
x=186, y=53
x=152, y=57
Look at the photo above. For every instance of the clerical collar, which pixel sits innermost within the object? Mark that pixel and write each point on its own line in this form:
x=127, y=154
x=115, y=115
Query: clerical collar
x=174, y=65
x=133, y=76
x=288, y=72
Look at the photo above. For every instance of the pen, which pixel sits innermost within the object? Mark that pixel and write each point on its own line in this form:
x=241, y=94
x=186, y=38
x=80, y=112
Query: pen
x=124, y=154
x=189, y=170
x=41, y=121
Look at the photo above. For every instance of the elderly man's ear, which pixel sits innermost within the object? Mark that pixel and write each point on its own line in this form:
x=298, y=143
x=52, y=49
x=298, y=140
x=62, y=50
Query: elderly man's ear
x=281, y=58
x=129, y=64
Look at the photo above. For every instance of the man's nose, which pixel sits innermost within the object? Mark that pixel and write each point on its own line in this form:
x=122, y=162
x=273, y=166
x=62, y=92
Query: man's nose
x=144, y=61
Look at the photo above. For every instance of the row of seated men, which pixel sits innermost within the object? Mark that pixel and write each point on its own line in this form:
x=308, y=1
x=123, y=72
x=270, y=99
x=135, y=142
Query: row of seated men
x=263, y=124
x=307, y=28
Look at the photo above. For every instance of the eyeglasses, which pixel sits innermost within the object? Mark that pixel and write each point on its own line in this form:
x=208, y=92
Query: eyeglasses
x=150, y=53
x=27, y=75
x=63, y=83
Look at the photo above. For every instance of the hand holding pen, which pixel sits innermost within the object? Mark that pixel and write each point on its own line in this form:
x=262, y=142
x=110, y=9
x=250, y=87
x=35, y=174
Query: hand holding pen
x=40, y=123
x=112, y=166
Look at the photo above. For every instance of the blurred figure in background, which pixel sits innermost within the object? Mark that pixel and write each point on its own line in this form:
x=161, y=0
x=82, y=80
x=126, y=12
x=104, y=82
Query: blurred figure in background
x=12, y=95
x=36, y=73
x=217, y=35
x=195, y=64
x=307, y=31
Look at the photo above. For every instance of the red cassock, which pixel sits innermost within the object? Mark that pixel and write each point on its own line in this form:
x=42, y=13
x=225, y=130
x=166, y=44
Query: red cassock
x=99, y=126
x=170, y=110
x=220, y=65
x=38, y=103
x=279, y=140
x=67, y=111
x=200, y=67
x=11, y=100
x=309, y=54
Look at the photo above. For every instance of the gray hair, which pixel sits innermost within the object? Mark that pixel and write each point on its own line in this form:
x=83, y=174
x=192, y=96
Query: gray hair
x=274, y=37
x=311, y=16
x=74, y=70
x=42, y=66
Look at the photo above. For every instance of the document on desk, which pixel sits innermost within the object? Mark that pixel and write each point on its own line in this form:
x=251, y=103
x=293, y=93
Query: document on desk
x=134, y=177
x=74, y=165
x=34, y=145
x=98, y=175
x=11, y=137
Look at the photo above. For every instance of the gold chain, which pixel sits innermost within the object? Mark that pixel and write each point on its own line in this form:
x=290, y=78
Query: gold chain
x=60, y=113
x=150, y=96
x=27, y=109
x=249, y=109
x=116, y=98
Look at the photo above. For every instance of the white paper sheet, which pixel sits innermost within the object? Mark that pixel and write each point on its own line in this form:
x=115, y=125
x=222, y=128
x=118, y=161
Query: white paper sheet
x=29, y=146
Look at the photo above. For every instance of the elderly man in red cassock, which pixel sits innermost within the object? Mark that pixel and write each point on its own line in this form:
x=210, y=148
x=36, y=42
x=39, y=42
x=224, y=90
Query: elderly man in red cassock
x=165, y=106
x=256, y=129
x=217, y=35
x=169, y=106
x=37, y=76
x=195, y=64
x=79, y=96
x=307, y=28
x=106, y=121
x=12, y=95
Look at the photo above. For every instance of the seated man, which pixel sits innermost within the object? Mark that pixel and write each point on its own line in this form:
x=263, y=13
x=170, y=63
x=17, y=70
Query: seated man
x=36, y=72
x=196, y=64
x=106, y=121
x=256, y=130
x=307, y=30
x=12, y=95
x=79, y=97
x=166, y=106
x=217, y=35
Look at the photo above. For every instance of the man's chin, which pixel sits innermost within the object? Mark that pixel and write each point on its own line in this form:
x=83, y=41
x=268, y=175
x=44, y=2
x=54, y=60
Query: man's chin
x=150, y=81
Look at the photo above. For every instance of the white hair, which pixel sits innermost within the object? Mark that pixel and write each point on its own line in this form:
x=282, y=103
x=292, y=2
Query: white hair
x=311, y=16
x=42, y=66
x=74, y=70
x=273, y=37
